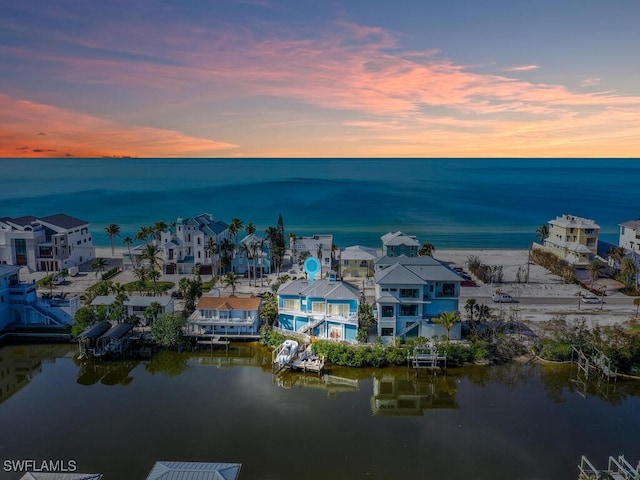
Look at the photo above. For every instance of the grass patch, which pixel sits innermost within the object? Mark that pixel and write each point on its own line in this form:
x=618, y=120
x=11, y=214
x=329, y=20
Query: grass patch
x=148, y=286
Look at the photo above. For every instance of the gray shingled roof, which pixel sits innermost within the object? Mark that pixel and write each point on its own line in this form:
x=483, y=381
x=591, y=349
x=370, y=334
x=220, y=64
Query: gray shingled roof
x=404, y=260
x=21, y=221
x=424, y=268
x=634, y=224
x=358, y=252
x=63, y=220
x=399, y=238
x=194, y=471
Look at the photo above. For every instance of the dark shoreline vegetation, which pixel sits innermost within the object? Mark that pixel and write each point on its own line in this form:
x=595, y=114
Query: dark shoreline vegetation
x=492, y=342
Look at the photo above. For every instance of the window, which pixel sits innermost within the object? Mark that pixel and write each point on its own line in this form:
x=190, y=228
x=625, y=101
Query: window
x=317, y=307
x=408, y=293
x=408, y=310
x=448, y=289
x=339, y=309
x=291, y=304
x=386, y=332
x=387, y=311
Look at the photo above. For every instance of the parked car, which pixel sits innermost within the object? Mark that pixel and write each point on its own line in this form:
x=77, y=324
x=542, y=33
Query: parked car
x=590, y=298
x=500, y=297
x=468, y=283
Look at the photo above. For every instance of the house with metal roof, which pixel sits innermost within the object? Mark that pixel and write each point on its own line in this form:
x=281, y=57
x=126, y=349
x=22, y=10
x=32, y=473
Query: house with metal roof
x=50, y=243
x=398, y=243
x=574, y=239
x=254, y=254
x=60, y=476
x=228, y=317
x=357, y=261
x=326, y=308
x=115, y=341
x=319, y=246
x=137, y=304
x=185, y=245
x=194, y=471
x=410, y=292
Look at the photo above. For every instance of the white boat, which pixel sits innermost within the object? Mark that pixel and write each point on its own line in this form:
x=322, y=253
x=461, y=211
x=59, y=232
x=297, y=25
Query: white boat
x=287, y=351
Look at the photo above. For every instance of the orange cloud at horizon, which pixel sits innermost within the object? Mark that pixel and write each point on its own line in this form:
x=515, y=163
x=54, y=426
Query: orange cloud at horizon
x=29, y=129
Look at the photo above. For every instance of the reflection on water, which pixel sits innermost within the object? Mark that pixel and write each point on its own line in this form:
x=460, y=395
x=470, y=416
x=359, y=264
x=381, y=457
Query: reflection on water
x=349, y=423
x=19, y=364
x=411, y=394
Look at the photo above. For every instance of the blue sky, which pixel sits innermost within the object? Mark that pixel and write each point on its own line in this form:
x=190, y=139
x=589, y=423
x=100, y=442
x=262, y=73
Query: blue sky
x=263, y=78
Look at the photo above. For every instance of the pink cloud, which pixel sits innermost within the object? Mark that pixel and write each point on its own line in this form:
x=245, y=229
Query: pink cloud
x=521, y=68
x=31, y=129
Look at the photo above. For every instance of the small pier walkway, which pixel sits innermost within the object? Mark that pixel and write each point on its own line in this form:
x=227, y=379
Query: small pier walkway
x=304, y=361
x=427, y=357
x=618, y=468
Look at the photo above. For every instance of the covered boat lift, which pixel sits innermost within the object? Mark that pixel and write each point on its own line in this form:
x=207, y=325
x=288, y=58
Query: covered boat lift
x=87, y=340
x=115, y=341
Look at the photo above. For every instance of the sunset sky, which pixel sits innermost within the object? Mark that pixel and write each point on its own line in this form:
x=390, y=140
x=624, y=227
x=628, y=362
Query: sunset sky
x=308, y=78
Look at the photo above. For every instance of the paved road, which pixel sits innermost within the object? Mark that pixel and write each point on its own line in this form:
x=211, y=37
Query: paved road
x=561, y=301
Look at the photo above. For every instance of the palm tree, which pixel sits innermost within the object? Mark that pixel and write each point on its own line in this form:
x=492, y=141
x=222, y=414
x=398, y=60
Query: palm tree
x=250, y=228
x=98, y=265
x=231, y=280
x=117, y=288
x=151, y=312
x=292, y=240
x=272, y=235
x=144, y=233
x=448, y=320
x=470, y=307
x=629, y=272
x=151, y=254
x=158, y=228
x=113, y=231
x=234, y=228
x=213, y=250
x=128, y=241
x=426, y=250
x=594, y=269
x=319, y=255
x=154, y=275
x=616, y=254
x=141, y=276
x=254, y=247
x=244, y=248
x=636, y=302
x=542, y=232
x=226, y=248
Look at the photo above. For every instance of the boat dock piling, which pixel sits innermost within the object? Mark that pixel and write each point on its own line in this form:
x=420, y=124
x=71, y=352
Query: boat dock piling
x=427, y=357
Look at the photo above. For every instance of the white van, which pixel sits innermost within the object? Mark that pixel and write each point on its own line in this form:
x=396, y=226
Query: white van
x=500, y=297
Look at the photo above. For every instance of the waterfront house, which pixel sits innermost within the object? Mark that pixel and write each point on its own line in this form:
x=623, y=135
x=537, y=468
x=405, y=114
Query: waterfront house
x=20, y=306
x=319, y=246
x=47, y=244
x=225, y=316
x=194, y=471
x=574, y=239
x=410, y=292
x=396, y=244
x=136, y=305
x=254, y=254
x=357, y=262
x=326, y=308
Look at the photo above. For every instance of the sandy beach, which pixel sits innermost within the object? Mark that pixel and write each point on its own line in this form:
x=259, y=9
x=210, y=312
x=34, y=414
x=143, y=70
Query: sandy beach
x=542, y=298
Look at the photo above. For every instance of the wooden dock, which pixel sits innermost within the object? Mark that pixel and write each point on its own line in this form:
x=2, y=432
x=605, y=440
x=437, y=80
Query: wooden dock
x=427, y=357
x=302, y=361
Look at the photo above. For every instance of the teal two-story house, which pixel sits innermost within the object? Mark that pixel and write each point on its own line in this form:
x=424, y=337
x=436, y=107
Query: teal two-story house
x=410, y=293
x=326, y=309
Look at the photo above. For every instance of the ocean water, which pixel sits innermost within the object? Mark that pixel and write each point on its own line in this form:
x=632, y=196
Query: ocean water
x=452, y=203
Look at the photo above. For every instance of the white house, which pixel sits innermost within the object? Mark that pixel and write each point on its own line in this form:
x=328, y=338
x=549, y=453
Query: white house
x=630, y=235
x=357, y=261
x=574, y=239
x=185, y=245
x=318, y=246
x=136, y=304
x=20, y=305
x=48, y=244
x=254, y=252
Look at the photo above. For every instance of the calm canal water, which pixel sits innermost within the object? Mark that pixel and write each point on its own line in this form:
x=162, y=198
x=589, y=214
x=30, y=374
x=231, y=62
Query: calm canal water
x=510, y=422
